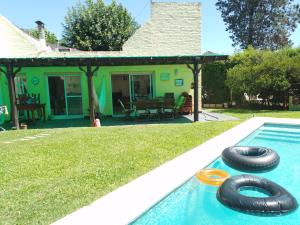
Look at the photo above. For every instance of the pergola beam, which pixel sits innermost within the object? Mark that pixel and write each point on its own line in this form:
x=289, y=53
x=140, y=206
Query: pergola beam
x=110, y=61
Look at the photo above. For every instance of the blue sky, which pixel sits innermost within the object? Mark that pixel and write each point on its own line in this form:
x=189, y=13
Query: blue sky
x=23, y=13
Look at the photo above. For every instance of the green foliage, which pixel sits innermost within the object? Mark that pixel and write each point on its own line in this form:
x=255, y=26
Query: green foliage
x=269, y=74
x=50, y=37
x=263, y=24
x=213, y=78
x=95, y=26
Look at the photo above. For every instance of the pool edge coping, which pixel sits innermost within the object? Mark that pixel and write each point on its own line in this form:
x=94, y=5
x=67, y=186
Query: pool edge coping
x=131, y=200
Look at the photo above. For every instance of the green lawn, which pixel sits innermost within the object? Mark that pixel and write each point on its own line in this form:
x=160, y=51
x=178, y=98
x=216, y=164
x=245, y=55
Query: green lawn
x=244, y=114
x=45, y=179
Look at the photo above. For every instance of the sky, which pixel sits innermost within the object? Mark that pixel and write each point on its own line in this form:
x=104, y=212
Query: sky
x=215, y=38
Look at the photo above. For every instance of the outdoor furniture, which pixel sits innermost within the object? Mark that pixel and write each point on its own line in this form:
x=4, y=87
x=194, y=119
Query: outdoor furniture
x=116, y=96
x=187, y=107
x=169, y=95
x=126, y=111
x=161, y=107
x=141, y=110
x=31, y=104
x=168, y=109
x=3, y=110
x=178, y=105
x=154, y=108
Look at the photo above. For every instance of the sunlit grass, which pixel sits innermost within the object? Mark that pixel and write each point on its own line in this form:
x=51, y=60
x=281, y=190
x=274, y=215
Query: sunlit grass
x=47, y=178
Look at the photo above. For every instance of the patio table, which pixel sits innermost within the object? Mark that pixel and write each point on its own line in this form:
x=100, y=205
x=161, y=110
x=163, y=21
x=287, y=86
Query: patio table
x=31, y=103
x=150, y=108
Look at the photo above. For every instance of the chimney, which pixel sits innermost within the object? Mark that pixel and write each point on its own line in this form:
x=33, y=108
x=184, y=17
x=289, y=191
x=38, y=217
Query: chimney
x=42, y=35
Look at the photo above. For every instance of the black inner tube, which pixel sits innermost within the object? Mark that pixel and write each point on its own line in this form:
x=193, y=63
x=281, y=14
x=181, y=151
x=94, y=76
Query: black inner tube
x=254, y=159
x=252, y=151
x=278, y=201
x=257, y=189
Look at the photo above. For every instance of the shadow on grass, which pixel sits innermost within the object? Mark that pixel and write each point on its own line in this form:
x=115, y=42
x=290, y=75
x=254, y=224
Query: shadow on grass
x=246, y=111
x=107, y=121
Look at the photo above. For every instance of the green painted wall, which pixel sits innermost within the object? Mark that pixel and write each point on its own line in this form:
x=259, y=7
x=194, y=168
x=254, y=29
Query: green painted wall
x=1, y=98
x=102, y=82
x=4, y=96
x=159, y=87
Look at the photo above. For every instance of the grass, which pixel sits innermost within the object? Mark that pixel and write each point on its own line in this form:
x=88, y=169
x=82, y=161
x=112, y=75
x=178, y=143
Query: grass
x=244, y=114
x=45, y=179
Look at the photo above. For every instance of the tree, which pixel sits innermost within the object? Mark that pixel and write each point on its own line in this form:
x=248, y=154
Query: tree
x=213, y=79
x=50, y=37
x=271, y=75
x=263, y=24
x=95, y=26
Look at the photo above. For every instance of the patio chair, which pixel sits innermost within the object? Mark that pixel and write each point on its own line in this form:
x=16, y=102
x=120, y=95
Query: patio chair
x=141, y=110
x=178, y=105
x=168, y=109
x=187, y=107
x=169, y=95
x=126, y=111
x=154, y=108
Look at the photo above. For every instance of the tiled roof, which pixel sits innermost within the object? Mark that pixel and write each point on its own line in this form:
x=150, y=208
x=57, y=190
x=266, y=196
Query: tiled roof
x=16, y=43
x=173, y=30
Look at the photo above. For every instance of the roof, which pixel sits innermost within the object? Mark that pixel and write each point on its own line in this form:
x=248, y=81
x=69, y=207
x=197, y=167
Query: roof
x=171, y=36
x=173, y=29
x=15, y=43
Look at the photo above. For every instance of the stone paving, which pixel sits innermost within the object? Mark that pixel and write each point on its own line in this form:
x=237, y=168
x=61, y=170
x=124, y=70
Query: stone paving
x=209, y=116
x=27, y=138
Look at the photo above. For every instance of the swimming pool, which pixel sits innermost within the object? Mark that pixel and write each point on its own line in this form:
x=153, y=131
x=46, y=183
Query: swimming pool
x=195, y=203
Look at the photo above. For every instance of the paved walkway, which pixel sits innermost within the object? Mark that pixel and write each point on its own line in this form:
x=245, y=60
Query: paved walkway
x=115, y=121
x=209, y=116
x=28, y=138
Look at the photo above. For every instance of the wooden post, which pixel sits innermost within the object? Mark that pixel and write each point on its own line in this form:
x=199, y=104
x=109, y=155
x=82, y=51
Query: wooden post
x=12, y=95
x=89, y=73
x=196, y=93
x=196, y=70
x=90, y=92
x=200, y=102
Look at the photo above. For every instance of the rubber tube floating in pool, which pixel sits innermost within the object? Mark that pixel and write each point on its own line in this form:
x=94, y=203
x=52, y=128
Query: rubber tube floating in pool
x=255, y=159
x=212, y=177
x=278, y=202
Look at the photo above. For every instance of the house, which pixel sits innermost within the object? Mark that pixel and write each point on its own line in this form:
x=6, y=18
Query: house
x=72, y=84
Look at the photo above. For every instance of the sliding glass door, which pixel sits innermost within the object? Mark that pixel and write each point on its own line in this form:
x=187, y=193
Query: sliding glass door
x=73, y=95
x=141, y=87
x=65, y=96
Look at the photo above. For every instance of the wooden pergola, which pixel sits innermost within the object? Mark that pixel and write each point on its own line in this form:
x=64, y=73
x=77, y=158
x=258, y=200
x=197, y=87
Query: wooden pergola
x=90, y=64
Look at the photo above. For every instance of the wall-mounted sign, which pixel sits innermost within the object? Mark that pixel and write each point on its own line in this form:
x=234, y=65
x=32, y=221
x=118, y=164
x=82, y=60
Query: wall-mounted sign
x=179, y=82
x=164, y=76
x=35, y=81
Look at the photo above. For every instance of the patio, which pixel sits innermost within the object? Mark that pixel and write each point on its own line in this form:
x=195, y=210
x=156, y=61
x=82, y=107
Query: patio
x=205, y=116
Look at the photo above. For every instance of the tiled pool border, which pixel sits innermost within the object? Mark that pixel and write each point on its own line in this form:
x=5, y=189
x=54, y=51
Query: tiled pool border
x=128, y=202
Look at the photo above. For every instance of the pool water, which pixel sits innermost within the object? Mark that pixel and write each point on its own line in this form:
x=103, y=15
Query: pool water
x=195, y=203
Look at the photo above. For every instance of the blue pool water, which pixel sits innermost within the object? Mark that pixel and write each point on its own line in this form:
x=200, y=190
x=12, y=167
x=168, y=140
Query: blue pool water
x=195, y=203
